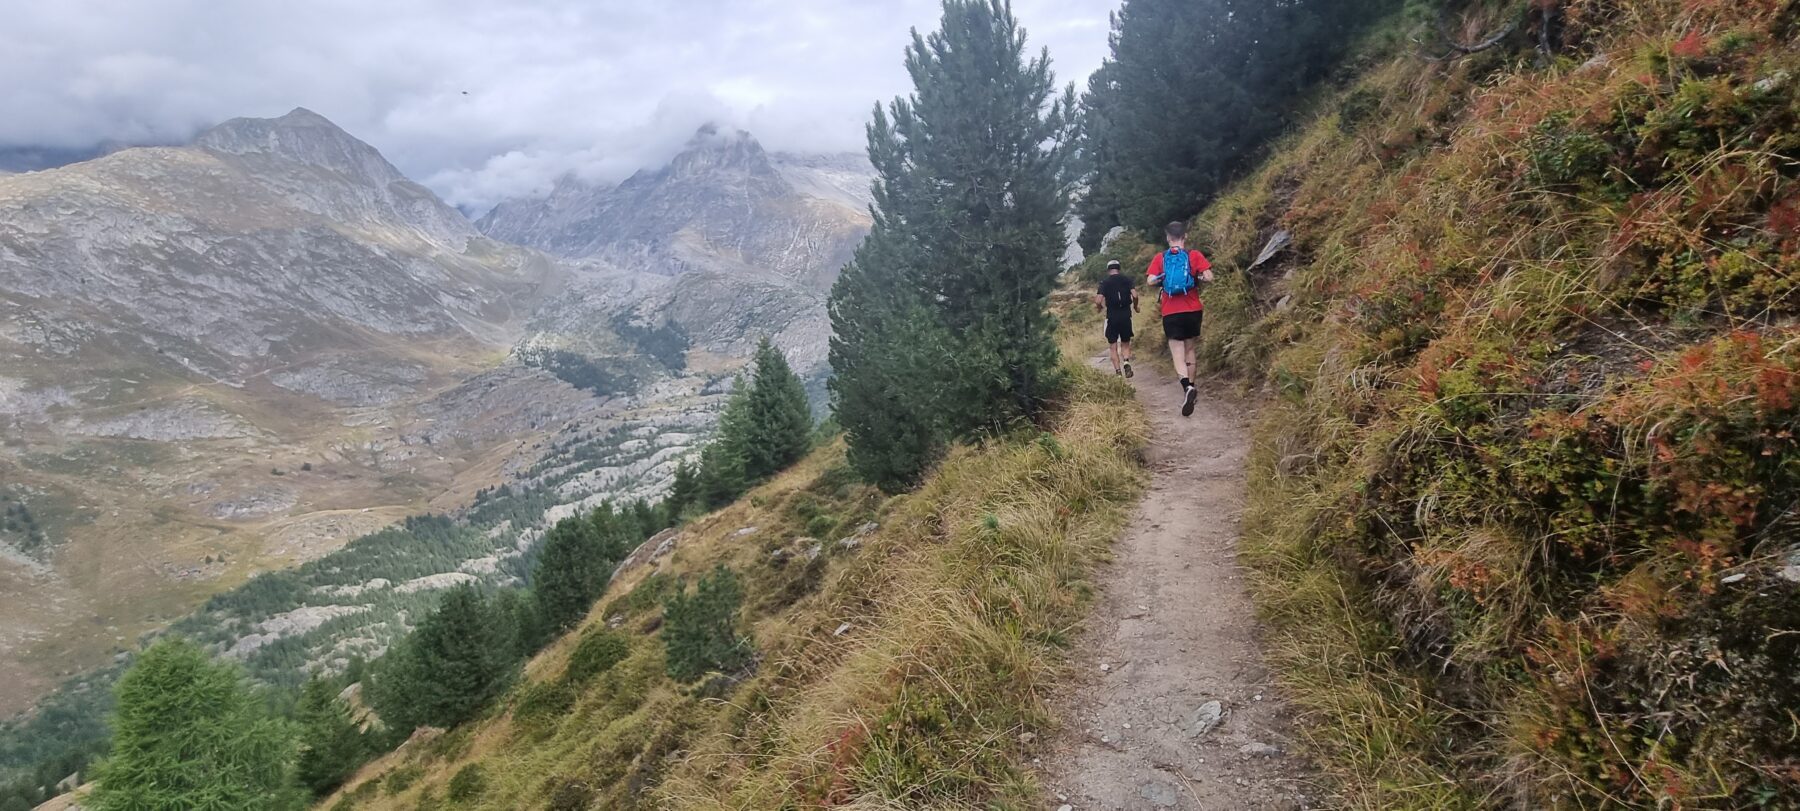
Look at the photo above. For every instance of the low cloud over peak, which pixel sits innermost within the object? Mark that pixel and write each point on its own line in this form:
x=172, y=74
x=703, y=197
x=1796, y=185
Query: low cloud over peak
x=484, y=101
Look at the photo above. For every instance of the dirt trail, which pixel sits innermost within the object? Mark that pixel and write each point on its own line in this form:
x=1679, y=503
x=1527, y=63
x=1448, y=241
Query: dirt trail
x=1172, y=631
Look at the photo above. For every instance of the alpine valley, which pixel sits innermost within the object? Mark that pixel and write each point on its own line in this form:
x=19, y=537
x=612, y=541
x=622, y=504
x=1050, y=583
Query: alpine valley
x=264, y=389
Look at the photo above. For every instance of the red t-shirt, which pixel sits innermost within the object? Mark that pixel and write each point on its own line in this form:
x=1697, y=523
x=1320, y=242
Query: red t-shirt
x=1188, y=302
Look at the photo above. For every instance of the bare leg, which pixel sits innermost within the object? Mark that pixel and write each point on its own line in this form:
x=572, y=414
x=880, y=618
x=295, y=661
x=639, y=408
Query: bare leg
x=1125, y=350
x=1183, y=354
x=1112, y=351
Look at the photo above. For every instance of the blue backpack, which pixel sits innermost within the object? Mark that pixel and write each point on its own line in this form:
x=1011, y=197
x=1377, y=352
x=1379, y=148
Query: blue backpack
x=1177, y=277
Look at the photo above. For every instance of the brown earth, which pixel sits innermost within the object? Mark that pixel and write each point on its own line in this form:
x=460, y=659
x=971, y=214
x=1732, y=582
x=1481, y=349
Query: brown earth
x=1173, y=630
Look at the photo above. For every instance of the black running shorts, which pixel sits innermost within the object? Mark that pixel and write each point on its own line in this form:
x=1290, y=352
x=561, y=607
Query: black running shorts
x=1182, y=326
x=1118, y=328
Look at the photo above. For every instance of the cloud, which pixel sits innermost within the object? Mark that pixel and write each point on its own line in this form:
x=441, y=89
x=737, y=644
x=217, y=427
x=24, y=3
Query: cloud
x=483, y=100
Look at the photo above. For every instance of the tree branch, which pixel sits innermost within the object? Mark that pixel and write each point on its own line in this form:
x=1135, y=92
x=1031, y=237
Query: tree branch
x=1443, y=30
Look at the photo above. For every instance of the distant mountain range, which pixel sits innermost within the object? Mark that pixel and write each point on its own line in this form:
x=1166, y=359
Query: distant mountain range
x=238, y=354
x=755, y=239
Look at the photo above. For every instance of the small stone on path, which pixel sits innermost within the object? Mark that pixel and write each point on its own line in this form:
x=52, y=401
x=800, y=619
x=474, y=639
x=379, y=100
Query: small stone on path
x=1205, y=718
x=1159, y=793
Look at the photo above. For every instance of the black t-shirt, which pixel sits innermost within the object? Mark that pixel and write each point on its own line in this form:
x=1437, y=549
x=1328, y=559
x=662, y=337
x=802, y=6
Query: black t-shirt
x=1117, y=292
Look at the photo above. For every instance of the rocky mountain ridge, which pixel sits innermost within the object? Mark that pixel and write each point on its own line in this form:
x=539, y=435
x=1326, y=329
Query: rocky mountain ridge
x=727, y=242
x=722, y=199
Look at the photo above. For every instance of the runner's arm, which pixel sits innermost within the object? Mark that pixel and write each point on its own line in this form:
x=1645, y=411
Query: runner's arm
x=1205, y=265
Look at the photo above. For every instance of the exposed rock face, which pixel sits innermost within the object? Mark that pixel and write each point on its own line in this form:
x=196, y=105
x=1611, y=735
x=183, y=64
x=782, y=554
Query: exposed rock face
x=433, y=582
x=290, y=623
x=267, y=500
x=313, y=165
x=352, y=380
x=723, y=200
x=183, y=420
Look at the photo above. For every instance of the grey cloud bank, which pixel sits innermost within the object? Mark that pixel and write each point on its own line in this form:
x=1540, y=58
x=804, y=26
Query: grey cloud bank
x=483, y=101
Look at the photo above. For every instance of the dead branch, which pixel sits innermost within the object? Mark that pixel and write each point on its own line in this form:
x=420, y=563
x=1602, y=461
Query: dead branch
x=1443, y=30
x=1453, y=48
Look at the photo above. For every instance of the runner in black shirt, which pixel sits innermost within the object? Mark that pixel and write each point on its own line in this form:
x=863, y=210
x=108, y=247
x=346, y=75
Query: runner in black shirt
x=1117, y=298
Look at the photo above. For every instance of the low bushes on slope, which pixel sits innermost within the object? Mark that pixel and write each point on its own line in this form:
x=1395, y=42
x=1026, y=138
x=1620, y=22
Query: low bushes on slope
x=1525, y=516
x=893, y=664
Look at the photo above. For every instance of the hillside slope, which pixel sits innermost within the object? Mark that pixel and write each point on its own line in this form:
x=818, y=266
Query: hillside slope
x=903, y=646
x=1524, y=508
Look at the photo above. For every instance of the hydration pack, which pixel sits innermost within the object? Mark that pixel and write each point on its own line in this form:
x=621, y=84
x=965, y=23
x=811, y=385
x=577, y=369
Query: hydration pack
x=1177, y=276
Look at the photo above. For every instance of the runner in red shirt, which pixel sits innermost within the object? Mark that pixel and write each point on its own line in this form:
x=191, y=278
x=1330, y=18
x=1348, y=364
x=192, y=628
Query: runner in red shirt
x=1181, y=314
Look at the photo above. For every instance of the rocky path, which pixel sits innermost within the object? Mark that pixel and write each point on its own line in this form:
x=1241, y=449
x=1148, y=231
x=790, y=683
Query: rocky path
x=1173, y=708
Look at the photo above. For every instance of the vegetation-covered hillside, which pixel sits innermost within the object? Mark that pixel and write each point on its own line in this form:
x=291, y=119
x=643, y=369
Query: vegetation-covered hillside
x=1526, y=494
x=430, y=619
x=1525, y=520
x=898, y=648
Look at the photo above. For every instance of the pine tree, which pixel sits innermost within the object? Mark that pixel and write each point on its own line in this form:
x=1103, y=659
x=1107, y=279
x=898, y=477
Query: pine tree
x=646, y=521
x=189, y=734
x=780, y=419
x=884, y=345
x=332, y=745
x=449, y=668
x=724, y=462
x=700, y=629
x=1192, y=93
x=522, y=622
x=578, y=557
x=355, y=669
x=684, y=492
x=616, y=532
x=940, y=320
x=766, y=426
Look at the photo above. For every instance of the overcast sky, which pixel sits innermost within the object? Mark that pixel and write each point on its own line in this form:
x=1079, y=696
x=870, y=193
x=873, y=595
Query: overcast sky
x=483, y=99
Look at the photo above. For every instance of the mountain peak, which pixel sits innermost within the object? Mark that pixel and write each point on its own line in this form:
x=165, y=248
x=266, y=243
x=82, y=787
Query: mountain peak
x=302, y=136
x=712, y=149
x=238, y=134
x=302, y=117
